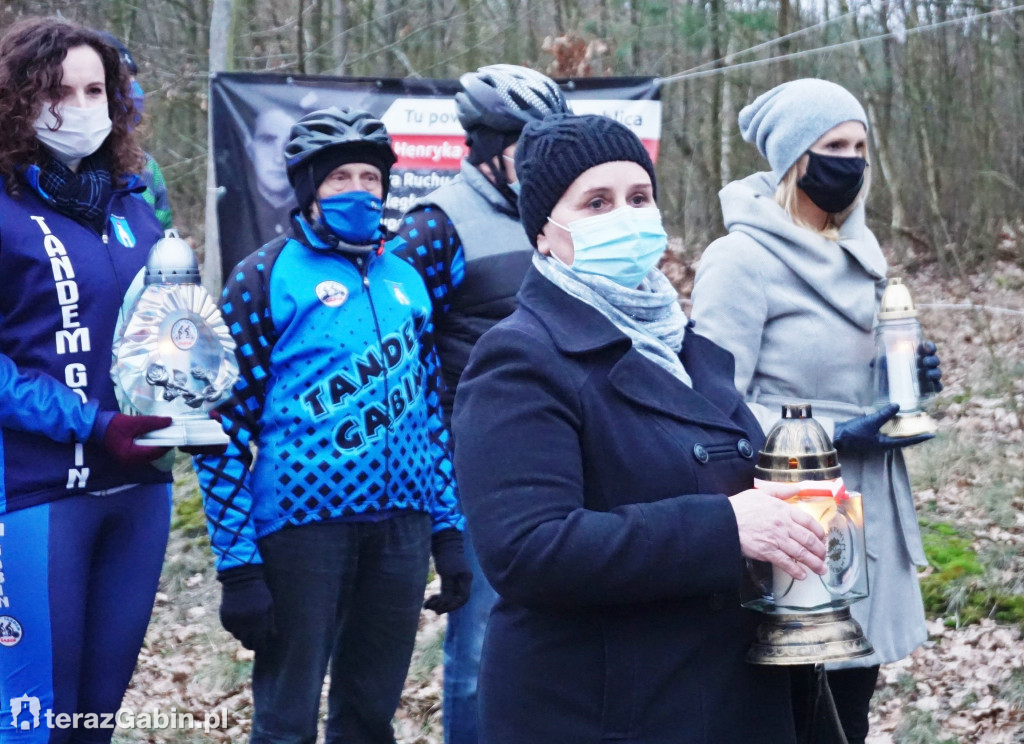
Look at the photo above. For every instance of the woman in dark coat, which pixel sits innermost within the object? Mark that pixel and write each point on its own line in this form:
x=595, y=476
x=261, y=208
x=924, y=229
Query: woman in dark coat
x=598, y=440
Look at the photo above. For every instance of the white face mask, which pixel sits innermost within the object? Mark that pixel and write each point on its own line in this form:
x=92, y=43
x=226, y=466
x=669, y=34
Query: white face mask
x=80, y=135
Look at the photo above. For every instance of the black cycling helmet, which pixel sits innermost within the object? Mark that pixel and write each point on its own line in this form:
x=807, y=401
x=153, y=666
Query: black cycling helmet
x=506, y=98
x=322, y=140
x=336, y=126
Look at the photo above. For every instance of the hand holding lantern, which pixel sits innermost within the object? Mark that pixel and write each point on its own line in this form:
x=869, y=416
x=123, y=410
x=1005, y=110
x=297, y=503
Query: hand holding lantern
x=808, y=619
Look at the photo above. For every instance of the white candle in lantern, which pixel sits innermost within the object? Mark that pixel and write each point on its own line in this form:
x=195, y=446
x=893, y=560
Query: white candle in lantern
x=810, y=591
x=901, y=367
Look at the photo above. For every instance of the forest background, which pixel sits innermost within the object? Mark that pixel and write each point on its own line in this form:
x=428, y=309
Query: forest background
x=943, y=83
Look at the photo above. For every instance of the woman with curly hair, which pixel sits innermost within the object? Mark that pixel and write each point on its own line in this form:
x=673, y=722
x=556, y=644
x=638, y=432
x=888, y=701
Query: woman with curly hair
x=84, y=513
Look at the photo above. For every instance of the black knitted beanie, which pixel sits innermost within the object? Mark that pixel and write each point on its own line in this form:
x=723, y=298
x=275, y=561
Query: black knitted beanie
x=552, y=153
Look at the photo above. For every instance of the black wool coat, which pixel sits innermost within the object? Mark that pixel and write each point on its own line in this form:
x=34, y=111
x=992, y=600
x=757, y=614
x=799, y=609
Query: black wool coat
x=595, y=487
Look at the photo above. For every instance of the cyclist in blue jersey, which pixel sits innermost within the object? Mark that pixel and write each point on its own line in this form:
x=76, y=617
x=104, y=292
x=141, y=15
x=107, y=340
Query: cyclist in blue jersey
x=322, y=540
x=84, y=515
x=466, y=241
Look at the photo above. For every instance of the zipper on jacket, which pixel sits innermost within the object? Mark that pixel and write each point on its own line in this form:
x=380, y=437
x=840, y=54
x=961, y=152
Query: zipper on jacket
x=363, y=265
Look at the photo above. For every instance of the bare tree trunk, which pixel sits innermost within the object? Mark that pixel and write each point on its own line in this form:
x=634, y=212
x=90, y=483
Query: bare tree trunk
x=636, y=18
x=532, y=45
x=718, y=82
x=727, y=117
x=470, y=35
x=512, y=53
x=785, y=47
x=316, y=57
x=339, y=31
x=220, y=60
x=893, y=180
x=300, y=38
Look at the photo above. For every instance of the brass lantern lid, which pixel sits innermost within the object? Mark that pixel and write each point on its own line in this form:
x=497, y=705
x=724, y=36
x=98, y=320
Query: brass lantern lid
x=896, y=302
x=797, y=449
x=172, y=261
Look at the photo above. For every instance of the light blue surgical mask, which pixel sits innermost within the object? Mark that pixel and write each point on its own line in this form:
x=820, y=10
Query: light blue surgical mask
x=353, y=216
x=622, y=245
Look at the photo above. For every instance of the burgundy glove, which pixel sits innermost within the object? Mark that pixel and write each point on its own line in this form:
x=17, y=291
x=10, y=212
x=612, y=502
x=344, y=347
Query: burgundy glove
x=118, y=432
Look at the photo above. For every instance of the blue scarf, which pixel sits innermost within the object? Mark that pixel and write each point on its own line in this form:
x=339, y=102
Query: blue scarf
x=83, y=196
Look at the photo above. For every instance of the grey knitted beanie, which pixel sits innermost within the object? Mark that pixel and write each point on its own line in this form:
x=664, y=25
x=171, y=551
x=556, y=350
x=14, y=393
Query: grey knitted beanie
x=785, y=121
x=552, y=153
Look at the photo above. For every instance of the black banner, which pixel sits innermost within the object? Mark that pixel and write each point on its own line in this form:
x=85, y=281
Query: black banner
x=253, y=113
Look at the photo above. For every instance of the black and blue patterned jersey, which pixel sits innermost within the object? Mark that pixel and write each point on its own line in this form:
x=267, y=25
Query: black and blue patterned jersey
x=431, y=244
x=336, y=413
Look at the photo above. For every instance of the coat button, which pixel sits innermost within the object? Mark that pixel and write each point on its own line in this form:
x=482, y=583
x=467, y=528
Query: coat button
x=700, y=453
x=745, y=448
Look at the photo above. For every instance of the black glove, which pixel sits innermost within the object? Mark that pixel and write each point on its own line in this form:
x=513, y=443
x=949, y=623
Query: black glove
x=246, y=607
x=117, y=432
x=929, y=376
x=861, y=434
x=450, y=563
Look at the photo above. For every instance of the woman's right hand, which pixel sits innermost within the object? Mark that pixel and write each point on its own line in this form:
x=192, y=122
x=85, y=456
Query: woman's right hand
x=774, y=531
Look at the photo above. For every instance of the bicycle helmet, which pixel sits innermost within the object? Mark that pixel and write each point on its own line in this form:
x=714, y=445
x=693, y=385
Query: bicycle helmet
x=507, y=97
x=322, y=140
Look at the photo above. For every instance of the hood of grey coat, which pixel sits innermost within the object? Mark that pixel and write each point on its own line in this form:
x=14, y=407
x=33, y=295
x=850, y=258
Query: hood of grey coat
x=748, y=206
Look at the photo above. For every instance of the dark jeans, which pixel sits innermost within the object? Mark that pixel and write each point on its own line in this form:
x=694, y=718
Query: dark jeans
x=463, y=644
x=347, y=595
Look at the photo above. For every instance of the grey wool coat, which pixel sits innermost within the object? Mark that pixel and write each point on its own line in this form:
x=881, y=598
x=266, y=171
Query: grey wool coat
x=797, y=311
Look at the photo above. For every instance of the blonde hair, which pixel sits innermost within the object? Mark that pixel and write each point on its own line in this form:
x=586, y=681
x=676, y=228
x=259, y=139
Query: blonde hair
x=786, y=197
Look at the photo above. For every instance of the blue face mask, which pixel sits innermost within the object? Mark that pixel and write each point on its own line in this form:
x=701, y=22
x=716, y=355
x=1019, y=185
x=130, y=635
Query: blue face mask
x=622, y=245
x=353, y=216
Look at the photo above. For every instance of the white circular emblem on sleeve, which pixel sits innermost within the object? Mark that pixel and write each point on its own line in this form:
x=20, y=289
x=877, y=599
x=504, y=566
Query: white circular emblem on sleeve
x=10, y=631
x=331, y=293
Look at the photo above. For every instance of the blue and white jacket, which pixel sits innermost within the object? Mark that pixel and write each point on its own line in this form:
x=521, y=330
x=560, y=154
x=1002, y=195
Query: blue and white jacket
x=62, y=290
x=338, y=394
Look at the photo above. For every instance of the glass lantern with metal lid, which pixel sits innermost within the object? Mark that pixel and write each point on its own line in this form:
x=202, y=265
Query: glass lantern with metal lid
x=897, y=339
x=173, y=355
x=808, y=620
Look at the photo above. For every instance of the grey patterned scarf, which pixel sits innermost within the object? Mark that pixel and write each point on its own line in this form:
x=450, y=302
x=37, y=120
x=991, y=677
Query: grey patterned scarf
x=650, y=315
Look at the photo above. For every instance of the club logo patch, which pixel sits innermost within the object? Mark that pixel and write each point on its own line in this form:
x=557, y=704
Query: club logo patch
x=122, y=231
x=184, y=334
x=10, y=631
x=332, y=294
x=399, y=293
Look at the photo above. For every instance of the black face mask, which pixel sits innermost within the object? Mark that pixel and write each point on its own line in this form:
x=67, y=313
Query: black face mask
x=832, y=183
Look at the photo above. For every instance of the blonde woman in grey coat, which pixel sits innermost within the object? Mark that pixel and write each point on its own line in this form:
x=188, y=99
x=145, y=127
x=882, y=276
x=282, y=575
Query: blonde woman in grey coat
x=793, y=291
